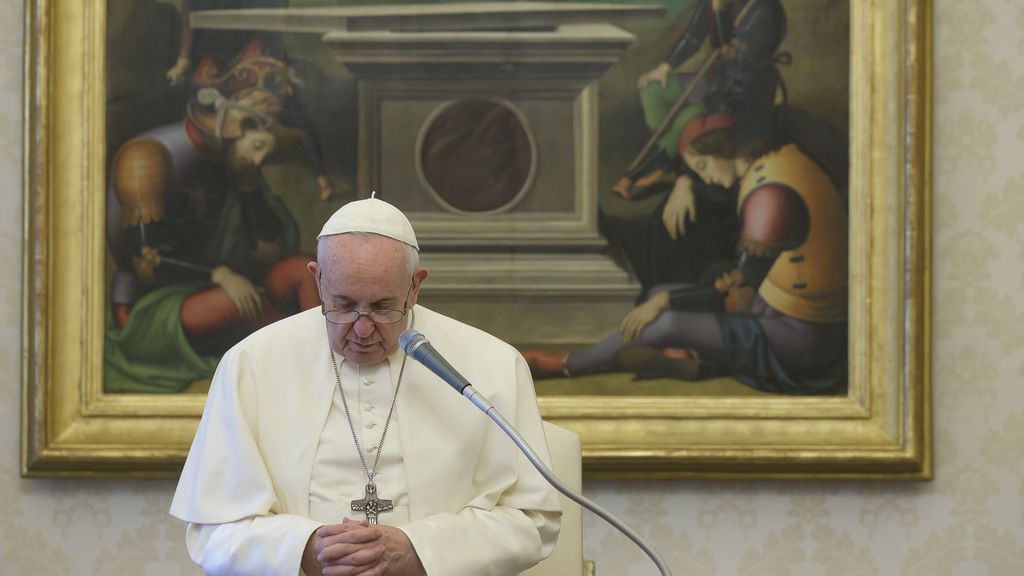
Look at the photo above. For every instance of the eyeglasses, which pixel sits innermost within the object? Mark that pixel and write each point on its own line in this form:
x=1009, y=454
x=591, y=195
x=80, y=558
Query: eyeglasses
x=377, y=315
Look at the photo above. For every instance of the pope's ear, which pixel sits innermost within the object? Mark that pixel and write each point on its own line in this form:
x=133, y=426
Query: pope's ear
x=314, y=269
x=417, y=280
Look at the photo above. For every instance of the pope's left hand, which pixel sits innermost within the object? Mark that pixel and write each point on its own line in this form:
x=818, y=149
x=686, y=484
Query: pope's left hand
x=339, y=549
x=359, y=549
x=642, y=315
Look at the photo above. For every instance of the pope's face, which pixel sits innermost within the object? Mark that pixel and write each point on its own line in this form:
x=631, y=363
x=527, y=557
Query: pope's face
x=711, y=169
x=365, y=273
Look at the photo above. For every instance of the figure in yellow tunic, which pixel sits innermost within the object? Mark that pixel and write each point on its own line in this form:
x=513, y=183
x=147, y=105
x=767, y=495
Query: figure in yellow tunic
x=777, y=320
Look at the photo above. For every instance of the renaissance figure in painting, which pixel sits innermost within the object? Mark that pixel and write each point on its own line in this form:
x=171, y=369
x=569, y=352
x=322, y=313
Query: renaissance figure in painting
x=776, y=320
x=739, y=78
x=210, y=54
x=204, y=252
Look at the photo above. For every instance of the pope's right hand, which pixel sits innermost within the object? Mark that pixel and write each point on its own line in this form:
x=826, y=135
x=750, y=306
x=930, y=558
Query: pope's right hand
x=239, y=290
x=658, y=74
x=680, y=207
x=351, y=548
x=347, y=549
x=362, y=549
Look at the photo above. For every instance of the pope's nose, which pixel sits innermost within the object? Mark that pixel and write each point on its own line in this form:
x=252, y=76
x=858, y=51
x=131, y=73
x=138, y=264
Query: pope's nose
x=364, y=327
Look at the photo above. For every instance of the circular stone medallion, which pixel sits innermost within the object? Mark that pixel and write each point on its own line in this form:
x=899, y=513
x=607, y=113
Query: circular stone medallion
x=476, y=155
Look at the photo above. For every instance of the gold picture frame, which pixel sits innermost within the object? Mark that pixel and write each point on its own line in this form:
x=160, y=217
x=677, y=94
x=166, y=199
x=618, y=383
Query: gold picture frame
x=881, y=429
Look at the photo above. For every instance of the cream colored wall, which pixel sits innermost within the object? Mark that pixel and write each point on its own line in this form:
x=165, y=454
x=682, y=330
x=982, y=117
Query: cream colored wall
x=969, y=521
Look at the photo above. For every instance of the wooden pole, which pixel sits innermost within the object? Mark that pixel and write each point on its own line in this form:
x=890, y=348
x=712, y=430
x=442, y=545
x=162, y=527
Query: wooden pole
x=681, y=101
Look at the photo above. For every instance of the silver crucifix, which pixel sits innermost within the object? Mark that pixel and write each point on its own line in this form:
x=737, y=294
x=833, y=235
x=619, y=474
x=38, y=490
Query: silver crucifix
x=371, y=505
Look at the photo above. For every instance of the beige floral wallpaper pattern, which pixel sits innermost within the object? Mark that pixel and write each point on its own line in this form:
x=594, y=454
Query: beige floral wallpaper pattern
x=968, y=522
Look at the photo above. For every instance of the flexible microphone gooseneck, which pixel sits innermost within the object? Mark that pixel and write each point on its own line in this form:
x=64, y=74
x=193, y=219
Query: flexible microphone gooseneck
x=416, y=345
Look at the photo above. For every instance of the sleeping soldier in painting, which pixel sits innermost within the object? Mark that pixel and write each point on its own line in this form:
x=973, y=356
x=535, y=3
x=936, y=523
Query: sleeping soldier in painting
x=676, y=245
x=745, y=38
x=776, y=320
x=204, y=252
x=211, y=57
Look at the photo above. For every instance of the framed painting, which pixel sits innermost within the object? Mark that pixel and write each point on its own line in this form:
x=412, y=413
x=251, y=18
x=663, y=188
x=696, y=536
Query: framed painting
x=705, y=223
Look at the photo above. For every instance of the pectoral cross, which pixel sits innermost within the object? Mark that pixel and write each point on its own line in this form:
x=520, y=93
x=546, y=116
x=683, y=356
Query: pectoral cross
x=371, y=505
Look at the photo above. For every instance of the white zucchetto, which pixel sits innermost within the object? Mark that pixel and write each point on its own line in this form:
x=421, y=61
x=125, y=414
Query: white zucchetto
x=373, y=216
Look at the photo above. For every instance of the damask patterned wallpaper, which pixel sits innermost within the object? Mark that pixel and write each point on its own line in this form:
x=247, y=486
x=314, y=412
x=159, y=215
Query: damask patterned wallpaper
x=968, y=522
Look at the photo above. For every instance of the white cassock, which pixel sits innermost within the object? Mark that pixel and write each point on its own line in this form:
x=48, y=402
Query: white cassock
x=274, y=457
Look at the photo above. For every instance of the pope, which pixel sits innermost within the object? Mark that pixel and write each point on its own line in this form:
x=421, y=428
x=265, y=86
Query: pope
x=322, y=448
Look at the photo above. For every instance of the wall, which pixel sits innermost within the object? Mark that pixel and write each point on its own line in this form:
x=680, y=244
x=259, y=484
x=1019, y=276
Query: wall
x=969, y=521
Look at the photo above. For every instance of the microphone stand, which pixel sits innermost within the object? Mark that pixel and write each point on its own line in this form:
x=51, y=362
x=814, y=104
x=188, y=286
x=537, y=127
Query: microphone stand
x=486, y=407
x=415, y=344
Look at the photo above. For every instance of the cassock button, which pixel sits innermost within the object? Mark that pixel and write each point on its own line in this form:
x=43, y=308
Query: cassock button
x=368, y=407
x=367, y=381
x=370, y=425
x=371, y=449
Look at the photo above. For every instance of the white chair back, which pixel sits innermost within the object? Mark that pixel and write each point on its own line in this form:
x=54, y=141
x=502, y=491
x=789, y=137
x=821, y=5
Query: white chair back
x=567, y=463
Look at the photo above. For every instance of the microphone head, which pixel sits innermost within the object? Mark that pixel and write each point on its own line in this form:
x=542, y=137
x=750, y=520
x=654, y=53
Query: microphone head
x=410, y=340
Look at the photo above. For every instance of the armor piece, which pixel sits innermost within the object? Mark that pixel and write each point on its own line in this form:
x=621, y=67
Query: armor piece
x=807, y=281
x=251, y=108
x=774, y=218
x=140, y=174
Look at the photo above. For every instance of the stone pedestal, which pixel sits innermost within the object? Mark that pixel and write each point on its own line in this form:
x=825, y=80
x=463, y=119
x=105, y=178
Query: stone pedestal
x=480, y=122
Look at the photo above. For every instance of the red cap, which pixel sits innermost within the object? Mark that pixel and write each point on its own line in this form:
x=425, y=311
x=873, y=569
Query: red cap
x=703, y=124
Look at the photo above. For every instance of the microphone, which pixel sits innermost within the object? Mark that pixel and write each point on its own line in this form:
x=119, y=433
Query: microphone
x=416, y=345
